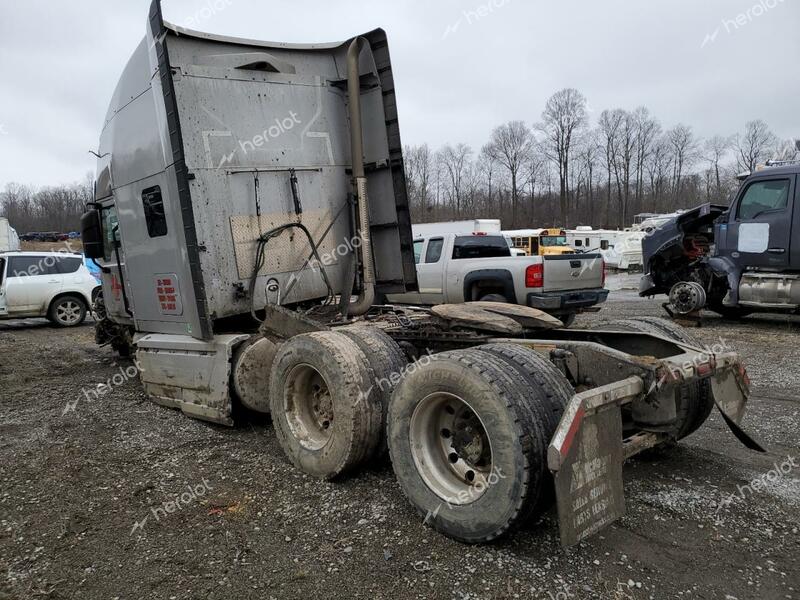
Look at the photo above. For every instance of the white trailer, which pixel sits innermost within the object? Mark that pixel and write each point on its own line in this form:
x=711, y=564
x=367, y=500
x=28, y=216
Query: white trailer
x=458, y=227
x=9, y=240
x=621, y=250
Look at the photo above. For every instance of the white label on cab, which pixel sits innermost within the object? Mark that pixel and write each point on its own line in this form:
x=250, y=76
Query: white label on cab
x=753, y=238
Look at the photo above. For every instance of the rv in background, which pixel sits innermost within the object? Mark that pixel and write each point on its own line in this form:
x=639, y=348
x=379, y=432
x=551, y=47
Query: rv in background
x=9, y=240
x=622, y=250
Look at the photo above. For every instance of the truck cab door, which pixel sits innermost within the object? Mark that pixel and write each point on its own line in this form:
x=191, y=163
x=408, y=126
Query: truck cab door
x=114, y=295
x=3, y=307
x=431, y=271
x=760, y=223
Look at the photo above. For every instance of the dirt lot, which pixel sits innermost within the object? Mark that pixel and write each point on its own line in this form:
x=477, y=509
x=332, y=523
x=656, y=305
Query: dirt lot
x=85, y=479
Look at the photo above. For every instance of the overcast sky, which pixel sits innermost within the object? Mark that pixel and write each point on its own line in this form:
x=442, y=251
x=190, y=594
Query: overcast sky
x=461, y=66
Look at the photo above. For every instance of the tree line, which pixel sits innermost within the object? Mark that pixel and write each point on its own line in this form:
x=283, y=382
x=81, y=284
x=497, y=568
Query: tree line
x=568, y=169
x=55, y=208
x=565, y=170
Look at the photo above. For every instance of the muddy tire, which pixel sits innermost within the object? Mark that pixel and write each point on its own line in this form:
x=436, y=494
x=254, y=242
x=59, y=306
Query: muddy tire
x=549, y=389
x=466, y=446
x=67, y=311
x=325, y=409
x=252, y=367
x=388, y=362
x=541, y=373
x=694, y=401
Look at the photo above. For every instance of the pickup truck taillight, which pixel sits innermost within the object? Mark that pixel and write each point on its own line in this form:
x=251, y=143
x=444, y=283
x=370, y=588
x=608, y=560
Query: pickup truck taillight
x=534, y=276
x=603, y=264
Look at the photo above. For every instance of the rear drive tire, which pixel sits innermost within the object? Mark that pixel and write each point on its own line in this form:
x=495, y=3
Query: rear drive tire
x=325, y=408
x=694, y=401
x=388, y=362
x=67, y=311
x=466, y=446
x=549, y=389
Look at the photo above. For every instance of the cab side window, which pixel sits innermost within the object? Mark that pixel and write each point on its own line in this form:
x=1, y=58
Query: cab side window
x=764, y=196
x=418, y=250
x=154, y=214
x=110, y=238
x=434, y=252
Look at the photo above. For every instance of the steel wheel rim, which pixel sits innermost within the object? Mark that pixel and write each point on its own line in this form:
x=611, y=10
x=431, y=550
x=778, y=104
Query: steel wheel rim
x=309, y=407
x=451, y=449
x=68, y=313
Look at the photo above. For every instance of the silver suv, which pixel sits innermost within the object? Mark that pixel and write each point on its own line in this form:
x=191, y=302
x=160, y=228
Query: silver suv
x=53, y=285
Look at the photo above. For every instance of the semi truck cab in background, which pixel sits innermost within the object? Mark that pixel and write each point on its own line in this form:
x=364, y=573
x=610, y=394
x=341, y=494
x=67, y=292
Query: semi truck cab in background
x=734, y=260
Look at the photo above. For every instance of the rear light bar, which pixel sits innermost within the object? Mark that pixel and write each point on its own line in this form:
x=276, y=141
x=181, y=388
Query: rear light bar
x=534, y=276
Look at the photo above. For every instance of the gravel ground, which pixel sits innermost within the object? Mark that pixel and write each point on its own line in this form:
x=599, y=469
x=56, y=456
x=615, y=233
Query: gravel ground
x=89, y=485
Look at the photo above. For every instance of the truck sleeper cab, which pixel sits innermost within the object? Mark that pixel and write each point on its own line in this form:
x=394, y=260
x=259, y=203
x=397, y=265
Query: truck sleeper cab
x=257, y=188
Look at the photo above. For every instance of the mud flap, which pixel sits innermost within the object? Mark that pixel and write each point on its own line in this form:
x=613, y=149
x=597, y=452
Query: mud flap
x=730, y=395
x=586, y=458
x=589, y=484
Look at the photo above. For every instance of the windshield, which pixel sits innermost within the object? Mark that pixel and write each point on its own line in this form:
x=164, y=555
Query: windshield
x=552, y=240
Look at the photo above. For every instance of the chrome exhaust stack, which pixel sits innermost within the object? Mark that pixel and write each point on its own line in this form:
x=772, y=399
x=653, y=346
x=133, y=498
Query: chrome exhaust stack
x=367, y=297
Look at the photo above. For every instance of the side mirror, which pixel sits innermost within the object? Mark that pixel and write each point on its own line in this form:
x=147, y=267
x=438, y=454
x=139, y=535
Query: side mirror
x=92, y=234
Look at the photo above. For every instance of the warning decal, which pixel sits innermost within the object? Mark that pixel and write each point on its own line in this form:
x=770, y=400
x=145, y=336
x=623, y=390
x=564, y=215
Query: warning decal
x=168, y=294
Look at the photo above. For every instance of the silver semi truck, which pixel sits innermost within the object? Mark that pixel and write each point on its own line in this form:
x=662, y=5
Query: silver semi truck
x=250, y=218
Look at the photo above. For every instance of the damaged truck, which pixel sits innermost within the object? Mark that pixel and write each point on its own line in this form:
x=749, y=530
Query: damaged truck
x=250, y=218
x=734, y=260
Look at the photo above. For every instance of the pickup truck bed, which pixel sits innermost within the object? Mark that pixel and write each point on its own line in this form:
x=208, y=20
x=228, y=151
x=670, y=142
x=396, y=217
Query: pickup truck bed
x=455, y=268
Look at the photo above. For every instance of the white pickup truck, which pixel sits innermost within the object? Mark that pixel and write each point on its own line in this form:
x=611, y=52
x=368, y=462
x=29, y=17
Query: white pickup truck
x=454, y=268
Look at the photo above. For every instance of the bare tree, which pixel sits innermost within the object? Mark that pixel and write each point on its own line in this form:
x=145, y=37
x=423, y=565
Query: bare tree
x=419, y=174
x=683, y=146
x=589, y=157
x=455, y=161
x=511, y=146
x=623, y=154
x=715, y=151
x=608, y=134
x=754, y=146
x=563, y=120
x=55, y=208
x=648, y=129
